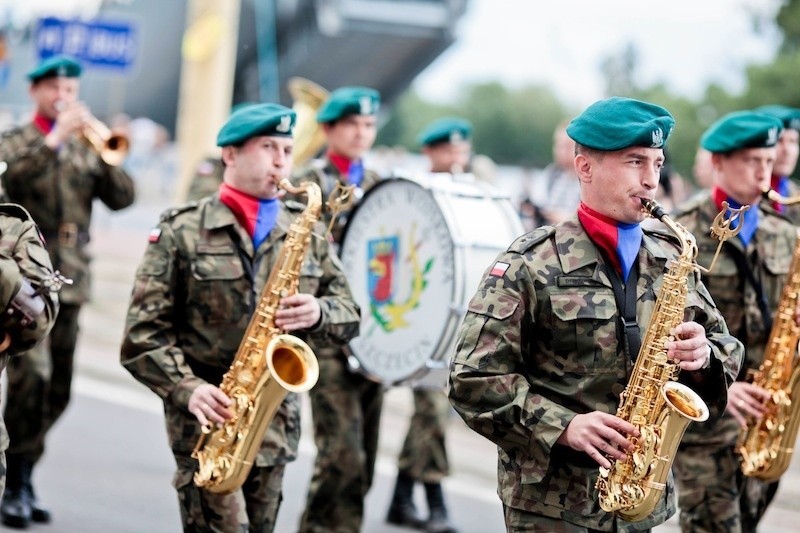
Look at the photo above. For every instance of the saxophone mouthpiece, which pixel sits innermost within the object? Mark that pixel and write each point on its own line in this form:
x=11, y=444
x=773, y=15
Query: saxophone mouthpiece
x=653, y=208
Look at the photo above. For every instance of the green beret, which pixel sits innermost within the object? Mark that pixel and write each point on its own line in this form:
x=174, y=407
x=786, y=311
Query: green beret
x=790, y=116
x=617, y=123
x=272, y=120
x=349, y=101
x=448, y=130
x=742, y=129
x=55, y=66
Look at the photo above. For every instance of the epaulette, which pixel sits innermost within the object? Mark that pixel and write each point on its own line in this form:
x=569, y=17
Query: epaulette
x=172, y=212
x=531, y=239
x=15, y=210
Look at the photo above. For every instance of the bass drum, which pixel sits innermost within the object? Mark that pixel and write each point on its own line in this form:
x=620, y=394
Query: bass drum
x=414, y=251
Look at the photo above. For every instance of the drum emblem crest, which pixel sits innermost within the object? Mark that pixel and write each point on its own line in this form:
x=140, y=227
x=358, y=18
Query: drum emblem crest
x=383, y=258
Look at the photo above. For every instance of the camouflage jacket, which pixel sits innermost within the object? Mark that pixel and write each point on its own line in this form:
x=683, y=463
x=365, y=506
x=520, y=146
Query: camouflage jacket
x=769, y=256
x=326, y=175
x=58, y=188
x=192, y=301
x=23, y=262
x=540, y=343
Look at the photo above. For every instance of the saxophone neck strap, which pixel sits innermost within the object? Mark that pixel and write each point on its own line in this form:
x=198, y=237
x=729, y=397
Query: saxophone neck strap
x=625, y=296
x=743, y=266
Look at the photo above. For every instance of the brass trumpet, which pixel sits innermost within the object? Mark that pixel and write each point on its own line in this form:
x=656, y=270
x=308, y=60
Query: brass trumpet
x=112, y=147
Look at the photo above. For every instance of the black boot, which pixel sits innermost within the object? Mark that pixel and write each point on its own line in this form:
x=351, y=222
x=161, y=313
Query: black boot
x=402, y=511
x=38, y=513
x=15, y=509
x=438, y=522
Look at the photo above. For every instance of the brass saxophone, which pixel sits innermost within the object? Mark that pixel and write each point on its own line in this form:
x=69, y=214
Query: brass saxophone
x=653, y=401
x=268, y=365
x=766, y=446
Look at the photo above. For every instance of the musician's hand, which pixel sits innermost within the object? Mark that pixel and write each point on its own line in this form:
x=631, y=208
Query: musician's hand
x=71, y=120
x=600, y=435
x=298, y=311
x=209, y=404
x=689, y=347
x=746, y=399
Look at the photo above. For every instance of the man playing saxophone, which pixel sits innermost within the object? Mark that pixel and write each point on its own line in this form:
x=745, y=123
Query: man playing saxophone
x=746, y=284
x=544, y=352
x=56, y=177
x=787, y=152
x=192, y=300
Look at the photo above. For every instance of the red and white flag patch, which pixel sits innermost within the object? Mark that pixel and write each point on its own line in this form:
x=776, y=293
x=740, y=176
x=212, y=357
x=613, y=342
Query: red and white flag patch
x=499, y=269
x=155, y=234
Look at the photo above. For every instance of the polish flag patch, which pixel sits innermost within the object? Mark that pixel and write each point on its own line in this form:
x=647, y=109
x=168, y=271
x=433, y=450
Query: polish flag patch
x=499, y=269
x=155, y=234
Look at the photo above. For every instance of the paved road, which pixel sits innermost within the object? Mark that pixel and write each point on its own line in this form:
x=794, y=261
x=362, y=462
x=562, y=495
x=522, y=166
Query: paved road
x=108, y=468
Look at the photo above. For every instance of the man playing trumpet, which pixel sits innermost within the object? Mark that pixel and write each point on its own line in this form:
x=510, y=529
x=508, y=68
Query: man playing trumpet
x=55, y=176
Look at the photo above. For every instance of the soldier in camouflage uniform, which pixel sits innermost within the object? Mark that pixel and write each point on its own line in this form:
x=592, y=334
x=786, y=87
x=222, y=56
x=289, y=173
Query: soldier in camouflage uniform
x=787, y=152
x=56, y=177
x=713, y=493
x=194, y=293
x=29, y=304
x=345, y=405
x=542, y=356
x=423, y=459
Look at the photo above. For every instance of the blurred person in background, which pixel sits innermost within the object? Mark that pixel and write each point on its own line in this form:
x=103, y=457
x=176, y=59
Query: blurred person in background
x=787, y=152
x=746, y=283
x=55, y=176
x=556, y=191
x=672, y=188
x=423, y=459
x=703, y=169
x=346, y=406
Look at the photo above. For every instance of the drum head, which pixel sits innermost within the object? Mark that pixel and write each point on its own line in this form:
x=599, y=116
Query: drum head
x=398, y=255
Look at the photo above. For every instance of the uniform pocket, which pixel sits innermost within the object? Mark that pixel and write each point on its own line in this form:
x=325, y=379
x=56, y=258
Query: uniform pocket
x=583, y=323
x=219, y=291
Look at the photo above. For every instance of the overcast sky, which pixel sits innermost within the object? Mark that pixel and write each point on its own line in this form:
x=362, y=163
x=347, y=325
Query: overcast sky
x=561, y=43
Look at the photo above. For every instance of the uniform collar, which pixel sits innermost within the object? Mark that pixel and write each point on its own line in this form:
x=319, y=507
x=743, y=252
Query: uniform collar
x=570, y=233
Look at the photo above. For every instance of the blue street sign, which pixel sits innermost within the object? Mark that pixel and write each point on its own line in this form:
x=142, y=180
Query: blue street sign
x=109, y=45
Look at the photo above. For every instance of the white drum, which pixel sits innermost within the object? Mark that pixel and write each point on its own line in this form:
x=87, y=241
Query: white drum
x=414, y=251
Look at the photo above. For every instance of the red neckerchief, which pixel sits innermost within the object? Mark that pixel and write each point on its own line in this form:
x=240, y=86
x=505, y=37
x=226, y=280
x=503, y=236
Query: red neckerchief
x=718, y=195
x=619, y=242
x=341, y=163
x=44, y=124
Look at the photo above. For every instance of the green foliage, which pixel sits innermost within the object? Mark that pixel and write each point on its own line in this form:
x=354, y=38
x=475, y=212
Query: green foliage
x=512, y=127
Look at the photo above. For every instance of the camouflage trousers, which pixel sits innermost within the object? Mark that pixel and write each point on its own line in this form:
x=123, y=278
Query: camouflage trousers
x=423, y=457
x=708, y=480
x=346, y=408
x=39, y=383
x=253, y=508
x=518, y=520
